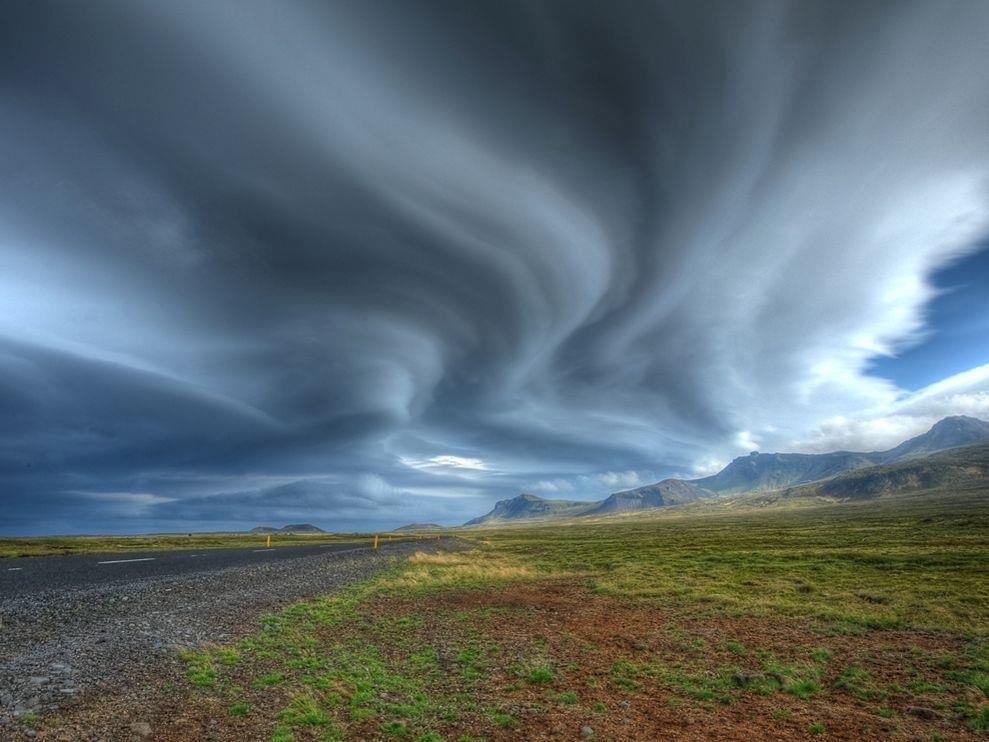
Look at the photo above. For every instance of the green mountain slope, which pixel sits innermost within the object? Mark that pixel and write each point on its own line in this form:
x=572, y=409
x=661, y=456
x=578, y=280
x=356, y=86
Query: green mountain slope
x=914, y=464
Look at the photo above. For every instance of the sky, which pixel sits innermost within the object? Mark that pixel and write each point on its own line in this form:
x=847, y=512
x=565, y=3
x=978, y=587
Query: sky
x=370, y=262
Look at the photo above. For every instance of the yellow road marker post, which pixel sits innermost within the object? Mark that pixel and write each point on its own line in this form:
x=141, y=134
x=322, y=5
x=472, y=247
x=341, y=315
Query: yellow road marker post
x=375, y=541
x=269, y=541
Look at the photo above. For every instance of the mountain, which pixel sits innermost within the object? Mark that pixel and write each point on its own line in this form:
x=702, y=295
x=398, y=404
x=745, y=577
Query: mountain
x=527, y=507
x=840, y=474
x=951, y=432
x=954, y=468
x=420, y=527
x=662, y=494
x=530, y=507
x=769, y=471
x=291, y=528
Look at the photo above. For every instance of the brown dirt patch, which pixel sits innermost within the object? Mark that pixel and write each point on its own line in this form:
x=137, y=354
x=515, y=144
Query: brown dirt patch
x=637, y=673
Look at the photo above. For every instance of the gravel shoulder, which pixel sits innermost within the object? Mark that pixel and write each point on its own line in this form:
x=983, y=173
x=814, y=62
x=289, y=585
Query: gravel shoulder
x=61, y=648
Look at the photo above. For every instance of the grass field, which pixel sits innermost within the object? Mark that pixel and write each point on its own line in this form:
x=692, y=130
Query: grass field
x=852, y=621
x=56, y=545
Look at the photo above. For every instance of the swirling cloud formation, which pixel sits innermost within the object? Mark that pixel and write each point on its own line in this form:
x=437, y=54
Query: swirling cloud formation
x=360, y=263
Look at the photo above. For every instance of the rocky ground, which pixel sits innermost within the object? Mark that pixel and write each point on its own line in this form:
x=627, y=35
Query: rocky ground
x=61, y=648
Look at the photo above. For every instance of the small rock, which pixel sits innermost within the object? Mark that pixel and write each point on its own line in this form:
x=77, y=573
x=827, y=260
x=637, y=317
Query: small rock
x=624, y=704
x=922, y=712
x=141, y=728
x=586, y=732
x=38, y=680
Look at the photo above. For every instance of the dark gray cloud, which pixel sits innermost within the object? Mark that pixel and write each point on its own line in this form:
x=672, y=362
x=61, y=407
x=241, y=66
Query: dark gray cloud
x=368, y=262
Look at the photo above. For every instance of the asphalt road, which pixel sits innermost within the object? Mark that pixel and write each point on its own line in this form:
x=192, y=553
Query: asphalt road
x=30, y=575
x=76, y=628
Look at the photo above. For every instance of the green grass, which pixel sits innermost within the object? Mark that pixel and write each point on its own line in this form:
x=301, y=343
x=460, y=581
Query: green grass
x=567, y=698
x=856, y=681
x=980, y=720
x=304, y=711
x=343, y=667
x=58, y=545
x=926, y=553
x=201, y=668
x=541, y=676
x=503, y=719
x=736, y=648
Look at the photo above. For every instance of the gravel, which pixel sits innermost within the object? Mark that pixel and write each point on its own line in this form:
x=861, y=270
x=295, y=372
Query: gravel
x=56, y=645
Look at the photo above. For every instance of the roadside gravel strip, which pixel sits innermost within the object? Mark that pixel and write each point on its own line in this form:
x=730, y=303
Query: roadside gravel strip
x=58, y=646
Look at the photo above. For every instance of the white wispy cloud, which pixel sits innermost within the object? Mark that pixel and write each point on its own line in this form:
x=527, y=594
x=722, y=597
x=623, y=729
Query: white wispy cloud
x=912, y=413
x=130, y=498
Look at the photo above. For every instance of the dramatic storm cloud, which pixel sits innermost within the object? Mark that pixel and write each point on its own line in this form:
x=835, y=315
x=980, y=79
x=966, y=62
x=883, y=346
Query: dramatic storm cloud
x=360, y=263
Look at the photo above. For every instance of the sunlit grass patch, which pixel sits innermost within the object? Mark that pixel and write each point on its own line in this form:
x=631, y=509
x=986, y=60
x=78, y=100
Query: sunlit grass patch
x=462, y=570
x=304, y=711
x=200, y=668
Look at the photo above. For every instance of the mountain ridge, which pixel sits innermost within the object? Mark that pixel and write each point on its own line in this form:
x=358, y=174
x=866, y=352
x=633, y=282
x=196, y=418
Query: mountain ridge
x=767, y=471
x=954, y=467
x=756, y=472
x=526, y=507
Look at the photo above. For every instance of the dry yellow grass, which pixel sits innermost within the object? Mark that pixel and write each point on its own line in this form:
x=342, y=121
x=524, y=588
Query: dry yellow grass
x=431, y=571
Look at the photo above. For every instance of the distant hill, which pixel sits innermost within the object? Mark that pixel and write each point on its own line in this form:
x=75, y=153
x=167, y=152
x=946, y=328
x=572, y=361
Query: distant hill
x=662, y=494
x=420, y=527
x=291, y=528
x=301, y=528
x=840, y=474
x=528, y=507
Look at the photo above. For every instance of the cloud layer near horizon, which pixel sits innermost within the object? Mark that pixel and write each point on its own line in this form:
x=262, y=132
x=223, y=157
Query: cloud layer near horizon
x=364, y=263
